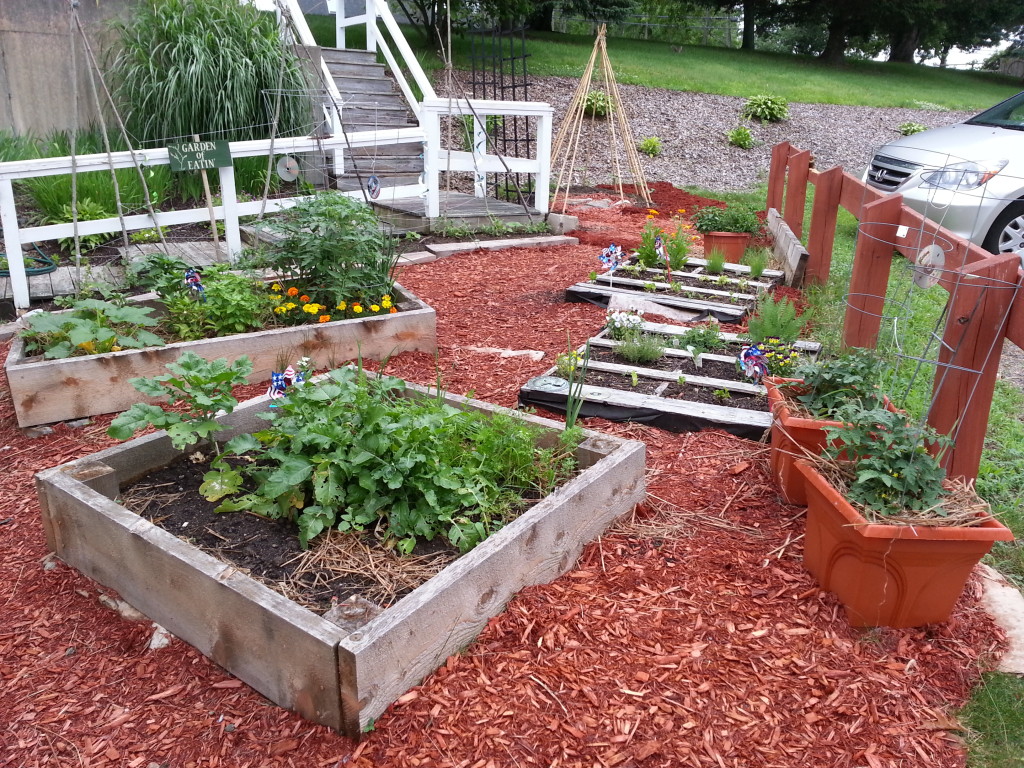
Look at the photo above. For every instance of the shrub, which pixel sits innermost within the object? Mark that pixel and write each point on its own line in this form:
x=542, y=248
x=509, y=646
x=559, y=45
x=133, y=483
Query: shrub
x=909, y=129
x=734, y=219
x=598, y=104
x=740, y=137
x=651, y=146
x=765, y=108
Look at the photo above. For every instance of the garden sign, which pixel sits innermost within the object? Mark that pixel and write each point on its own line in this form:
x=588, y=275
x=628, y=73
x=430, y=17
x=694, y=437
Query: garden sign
x=199, y=155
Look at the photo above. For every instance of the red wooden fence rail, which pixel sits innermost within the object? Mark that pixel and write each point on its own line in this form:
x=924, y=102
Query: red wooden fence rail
x=985, y=308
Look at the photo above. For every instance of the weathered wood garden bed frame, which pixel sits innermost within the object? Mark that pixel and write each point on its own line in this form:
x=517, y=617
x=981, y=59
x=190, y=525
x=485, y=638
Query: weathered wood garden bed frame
x=289, y=654
x=672, y=414
x=45, y=391
x=714, y=299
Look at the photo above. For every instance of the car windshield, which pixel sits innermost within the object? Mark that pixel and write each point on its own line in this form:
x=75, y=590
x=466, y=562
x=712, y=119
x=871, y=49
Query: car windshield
x=1008, y=114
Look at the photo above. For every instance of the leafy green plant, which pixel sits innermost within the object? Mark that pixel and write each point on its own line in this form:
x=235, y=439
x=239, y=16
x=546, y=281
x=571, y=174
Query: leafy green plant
x=779, y=356
x=233, y=303
x=701, y=338
x=757, y=259
x=723, y=394
x=634, y=378
x=775, y=319
x=910, y=128
x=729, y=219
x=334, y=245
x=598, y=104
x=886, y=462
x=567, y=362
x=766, y=108
x=650, y=287
x=676, y=246
x=196, y=388
x=831, y=383
x=89, y=327
x=641, y=348
x=87, y=210
x=450, y=228
x=650, y=146
x=715, y=262
x=741, y=137
x=350, y=452
x=142, y=236
x=622, y=324
x=157, y=272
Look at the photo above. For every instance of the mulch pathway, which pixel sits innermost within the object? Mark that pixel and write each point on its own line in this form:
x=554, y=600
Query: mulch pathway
x=688, y=635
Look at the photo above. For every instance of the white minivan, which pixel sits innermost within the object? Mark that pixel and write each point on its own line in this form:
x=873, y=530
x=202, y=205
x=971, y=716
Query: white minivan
x=968, y=177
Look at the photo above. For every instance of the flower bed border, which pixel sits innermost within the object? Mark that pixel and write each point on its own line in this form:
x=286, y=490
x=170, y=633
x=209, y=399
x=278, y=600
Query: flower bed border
x=46, y=391
x=289, y=654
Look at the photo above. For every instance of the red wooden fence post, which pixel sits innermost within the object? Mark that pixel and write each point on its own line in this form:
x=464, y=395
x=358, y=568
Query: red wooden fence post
x=828, y=190
x=796, y=191
x=777, y=175
x=965, y=378
x=872, y=261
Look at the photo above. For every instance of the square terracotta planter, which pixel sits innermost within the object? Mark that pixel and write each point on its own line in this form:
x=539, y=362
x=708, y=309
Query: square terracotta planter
x=792, y=438
x=289, y=654
x=45, y=391
x=888, y=575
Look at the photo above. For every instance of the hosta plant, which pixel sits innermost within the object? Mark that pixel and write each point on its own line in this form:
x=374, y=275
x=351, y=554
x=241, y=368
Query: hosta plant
x=766, y=108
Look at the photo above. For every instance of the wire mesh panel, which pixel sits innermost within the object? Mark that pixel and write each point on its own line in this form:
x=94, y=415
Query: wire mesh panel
x=498, y=71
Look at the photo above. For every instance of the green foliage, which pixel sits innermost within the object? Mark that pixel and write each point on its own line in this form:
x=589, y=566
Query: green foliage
x=598, y=104
x=701, y=339
x=621, y=324
x=757, y=259
x=886, y=459
x=728, y=219
x=142, y=236
x=234, y=304
x=741, y=137
x=829, y=384
x=567, y=362
x=449, y=228
x=676, y=245
x=350, y=452
x=715, y=263
x=995, y=719
x=157, y=272
x=650, y=146
x=775, y=320
x=909, y=129
x=199, y=388
x=87, y=210
x=89, y=327
x=177, y=73
x=723, y=394
x=641, y=348
x=765, y=108
x=333, y=244
x=780, y=358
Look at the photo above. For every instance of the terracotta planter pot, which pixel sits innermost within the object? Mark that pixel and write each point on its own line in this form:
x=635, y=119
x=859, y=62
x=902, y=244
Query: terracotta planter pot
x=732, y=244
x=888, y=575
x=793, y=437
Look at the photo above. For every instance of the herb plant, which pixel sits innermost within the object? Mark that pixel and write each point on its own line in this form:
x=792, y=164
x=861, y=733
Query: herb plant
x=641, y=348
x=202, y=387
x=715, y=262
x=651, y=146
x=712, y=218
x=350, y=452
x=829, y=384
x=701, y=338
x=90, y=327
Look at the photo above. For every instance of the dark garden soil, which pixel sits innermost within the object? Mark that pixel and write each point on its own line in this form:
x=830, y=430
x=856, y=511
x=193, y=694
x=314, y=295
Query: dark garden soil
x=675, y=391
x=690, y=635
x=712, y=369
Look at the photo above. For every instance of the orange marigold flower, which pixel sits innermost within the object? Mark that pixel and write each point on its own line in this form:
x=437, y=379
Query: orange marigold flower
x=304, y=298
x=325, y=318
x=293, y=291
x=393, y=310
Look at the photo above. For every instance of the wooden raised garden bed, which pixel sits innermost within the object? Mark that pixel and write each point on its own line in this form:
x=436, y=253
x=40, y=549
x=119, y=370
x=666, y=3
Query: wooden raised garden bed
x=726, y=297
x=289, y=654
x=45, y=391
x=620, y=391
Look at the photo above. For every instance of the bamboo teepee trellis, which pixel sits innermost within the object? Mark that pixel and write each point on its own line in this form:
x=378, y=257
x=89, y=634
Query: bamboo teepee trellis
x=567, y=141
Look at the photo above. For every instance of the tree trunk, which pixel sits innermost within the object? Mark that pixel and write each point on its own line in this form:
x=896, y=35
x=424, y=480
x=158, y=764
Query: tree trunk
x=748, y=26
x=835, y=48
x=903, y=44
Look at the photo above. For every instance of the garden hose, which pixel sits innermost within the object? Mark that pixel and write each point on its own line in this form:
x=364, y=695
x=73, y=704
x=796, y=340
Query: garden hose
x=48, y=265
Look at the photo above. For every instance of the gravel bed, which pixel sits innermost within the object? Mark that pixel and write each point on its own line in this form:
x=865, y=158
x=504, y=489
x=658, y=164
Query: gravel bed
x=692, y=129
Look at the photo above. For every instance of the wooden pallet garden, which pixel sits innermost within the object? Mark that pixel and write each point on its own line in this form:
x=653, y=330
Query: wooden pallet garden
x=289, y=654
x=46, y=391
x=726, y=297
x=674, y=393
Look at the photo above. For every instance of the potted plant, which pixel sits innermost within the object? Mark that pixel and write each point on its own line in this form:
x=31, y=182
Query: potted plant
x=727, y=230
x=803, y=407
x=886, y=531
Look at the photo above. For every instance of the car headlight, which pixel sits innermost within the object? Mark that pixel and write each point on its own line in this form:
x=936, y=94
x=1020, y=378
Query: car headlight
x=961, y=176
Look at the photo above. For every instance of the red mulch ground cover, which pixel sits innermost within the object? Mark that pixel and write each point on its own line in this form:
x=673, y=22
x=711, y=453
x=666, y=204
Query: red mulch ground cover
x=690, y=635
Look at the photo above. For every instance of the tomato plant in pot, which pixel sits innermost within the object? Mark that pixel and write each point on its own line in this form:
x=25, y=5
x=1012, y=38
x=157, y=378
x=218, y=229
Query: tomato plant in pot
x=727, y=230
x=804, y=406
x=887, y=532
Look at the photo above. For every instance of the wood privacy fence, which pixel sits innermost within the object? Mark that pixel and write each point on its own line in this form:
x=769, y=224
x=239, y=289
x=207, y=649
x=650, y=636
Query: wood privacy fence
x=985, y=307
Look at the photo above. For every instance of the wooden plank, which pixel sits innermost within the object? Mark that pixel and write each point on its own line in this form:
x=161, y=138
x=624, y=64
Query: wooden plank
x=725, y=312
x=824, y=214
x=787, y=246
x=634, y=283
x=243, y=625
x=700, y=270
x=796, y=191
x=671, y=376
x=872, y=262
x=45, y=391
x=777, y=175
x=598, y=341
x=969, y=359
x=855, y=194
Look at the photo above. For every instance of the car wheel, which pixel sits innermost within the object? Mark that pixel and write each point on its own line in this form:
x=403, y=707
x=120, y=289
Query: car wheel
x=1007, y=233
